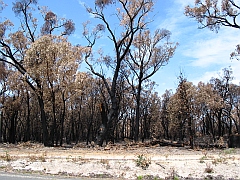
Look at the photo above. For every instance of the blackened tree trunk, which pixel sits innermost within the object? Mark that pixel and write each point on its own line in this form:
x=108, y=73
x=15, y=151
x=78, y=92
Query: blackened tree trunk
x=190, y=131
x=54, y=125
x=219, y=117
x=103, y=128
x=90, y=122
x=89, y=128
x=27, y=132
x=1, y=129
x=44, y=122
x=62, y=117
x=12, y=130
x=138, y=97
x=110, y=137
x=72, y=133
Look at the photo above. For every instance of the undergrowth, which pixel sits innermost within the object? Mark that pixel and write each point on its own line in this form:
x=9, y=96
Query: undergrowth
x=142, y=161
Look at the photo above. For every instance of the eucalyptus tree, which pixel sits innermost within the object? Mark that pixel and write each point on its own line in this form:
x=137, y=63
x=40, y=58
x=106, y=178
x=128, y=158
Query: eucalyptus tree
x=235, y=89
x=53, y=60
x=216, y=103
x=150, y=113
x=182, y=111
x=223, y=113
x=11, y=105
x=14, y=46
x=128, y=18
x=207, y=102
x=72, y=86
x=3, y=78
x=148, y=55
x=3, y=84
x=164, y=113
x=86, y=106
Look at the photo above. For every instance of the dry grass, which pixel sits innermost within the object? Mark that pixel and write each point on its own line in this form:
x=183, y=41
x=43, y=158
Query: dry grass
x=209, y=168
x=7, y=157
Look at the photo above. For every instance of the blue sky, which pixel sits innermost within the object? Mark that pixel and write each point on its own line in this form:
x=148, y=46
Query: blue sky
x=201, y=53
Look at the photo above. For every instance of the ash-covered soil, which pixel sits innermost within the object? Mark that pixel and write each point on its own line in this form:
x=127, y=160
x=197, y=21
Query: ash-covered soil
x=122, y=161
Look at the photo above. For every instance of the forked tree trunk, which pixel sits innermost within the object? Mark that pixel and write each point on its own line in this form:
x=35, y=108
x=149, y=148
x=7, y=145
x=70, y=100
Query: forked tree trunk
x=106, y=130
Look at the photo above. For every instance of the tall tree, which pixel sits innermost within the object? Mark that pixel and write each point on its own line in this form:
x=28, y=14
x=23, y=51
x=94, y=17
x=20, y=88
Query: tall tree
x=129, y=17
x=14, y=45
x=164, y=113
x=181, y=109
x=215, y=103
x=53, y=60
x=235, y=89
x=149, y=54
x=223, y=113
x=207, y=101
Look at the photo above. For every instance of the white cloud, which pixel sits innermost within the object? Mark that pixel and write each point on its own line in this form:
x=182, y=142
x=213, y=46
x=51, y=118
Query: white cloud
x=235, y=68
x=203, y=47
x=214, y=49
x=175, y=20
x=206, y=77
x=184, y=3
x=213, y=55
x=81, y=3
x=84, y=5
x=202, y=53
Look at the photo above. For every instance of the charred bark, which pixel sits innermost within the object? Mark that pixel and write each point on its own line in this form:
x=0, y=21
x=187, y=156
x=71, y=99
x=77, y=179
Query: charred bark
x=101, y=135
x=12, y=130
x=44, y=122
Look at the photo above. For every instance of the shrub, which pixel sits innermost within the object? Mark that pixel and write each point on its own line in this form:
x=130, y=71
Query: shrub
x=143, y=161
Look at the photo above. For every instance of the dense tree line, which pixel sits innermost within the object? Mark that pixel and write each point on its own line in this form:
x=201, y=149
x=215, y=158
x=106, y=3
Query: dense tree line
x=208, y=109
x=45, y=98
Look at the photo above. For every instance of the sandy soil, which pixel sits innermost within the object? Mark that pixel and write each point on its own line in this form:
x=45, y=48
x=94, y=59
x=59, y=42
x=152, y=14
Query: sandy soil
x=122, y=161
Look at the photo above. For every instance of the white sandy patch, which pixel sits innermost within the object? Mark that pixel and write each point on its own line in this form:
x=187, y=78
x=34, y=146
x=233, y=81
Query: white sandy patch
x=121, y=163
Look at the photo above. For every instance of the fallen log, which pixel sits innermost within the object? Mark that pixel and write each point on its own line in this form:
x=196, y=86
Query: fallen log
x=164, y=142
x=171, y=143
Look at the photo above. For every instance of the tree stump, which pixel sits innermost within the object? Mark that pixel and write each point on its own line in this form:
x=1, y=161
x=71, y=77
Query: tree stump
x=234, y=141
